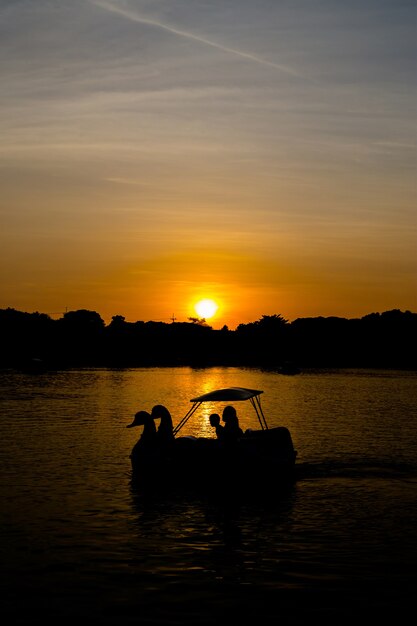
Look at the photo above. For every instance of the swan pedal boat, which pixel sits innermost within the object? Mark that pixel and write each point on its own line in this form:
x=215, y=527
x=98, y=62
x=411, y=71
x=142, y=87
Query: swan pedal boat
x=261, y=456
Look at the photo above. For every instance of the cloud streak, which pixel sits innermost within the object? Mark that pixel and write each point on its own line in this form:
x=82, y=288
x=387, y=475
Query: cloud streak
x=134, y=17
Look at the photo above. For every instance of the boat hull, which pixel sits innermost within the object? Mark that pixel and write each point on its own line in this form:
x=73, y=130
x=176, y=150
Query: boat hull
x=260, y=457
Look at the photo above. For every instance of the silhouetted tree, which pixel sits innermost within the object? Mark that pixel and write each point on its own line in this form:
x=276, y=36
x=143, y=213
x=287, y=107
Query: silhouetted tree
x=24, y=336
x=81, y=336
x=200, y=321
x=264, y=341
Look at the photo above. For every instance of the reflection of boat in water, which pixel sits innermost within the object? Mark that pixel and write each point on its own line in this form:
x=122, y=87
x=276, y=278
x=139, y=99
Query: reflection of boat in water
x=260, y=456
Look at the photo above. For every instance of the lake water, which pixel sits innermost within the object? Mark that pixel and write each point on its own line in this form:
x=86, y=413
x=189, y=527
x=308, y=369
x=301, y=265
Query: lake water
x=79, y=543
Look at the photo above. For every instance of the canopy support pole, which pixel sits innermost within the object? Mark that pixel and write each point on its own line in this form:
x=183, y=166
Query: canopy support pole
x=256, y=403
x=186, y=418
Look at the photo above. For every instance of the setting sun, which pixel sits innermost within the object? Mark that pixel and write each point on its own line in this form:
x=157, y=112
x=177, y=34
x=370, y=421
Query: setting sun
x=206, y=308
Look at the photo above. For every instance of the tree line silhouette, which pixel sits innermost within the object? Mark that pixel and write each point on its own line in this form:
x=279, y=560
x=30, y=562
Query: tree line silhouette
x=82, y=339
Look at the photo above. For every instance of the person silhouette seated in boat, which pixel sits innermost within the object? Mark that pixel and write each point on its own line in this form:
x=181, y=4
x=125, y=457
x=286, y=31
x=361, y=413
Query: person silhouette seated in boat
x=147, y=442
x=165, y=432
x=215, y=422
x=231, y=431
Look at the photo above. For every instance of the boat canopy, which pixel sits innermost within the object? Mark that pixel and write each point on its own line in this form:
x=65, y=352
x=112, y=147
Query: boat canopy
x=229, y=394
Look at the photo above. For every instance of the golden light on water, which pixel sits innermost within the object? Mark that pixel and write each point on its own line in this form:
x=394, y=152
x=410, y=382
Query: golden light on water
x=206, y=308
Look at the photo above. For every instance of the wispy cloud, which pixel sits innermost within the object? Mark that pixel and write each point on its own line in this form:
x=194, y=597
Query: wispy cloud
x=126, y=181
x=135, y=17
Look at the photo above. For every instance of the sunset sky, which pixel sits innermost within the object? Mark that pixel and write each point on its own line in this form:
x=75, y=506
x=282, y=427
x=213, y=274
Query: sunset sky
x=157, y=152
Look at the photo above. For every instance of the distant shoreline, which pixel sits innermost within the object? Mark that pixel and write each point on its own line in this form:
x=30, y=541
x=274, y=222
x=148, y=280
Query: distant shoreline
x=81, y=339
